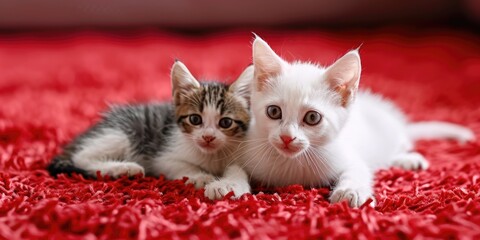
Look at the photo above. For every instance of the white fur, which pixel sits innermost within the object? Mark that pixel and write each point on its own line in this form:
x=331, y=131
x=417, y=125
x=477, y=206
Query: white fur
x=106, y=153
x=350, y=143
x=235, y=180
x=433, y=129
x=184, y=159
x=202, y=168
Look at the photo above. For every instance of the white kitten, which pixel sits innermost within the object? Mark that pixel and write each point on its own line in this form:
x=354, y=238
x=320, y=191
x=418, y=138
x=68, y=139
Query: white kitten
x=310, y=127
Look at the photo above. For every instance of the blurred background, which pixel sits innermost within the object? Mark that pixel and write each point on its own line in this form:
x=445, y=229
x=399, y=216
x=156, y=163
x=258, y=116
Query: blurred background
x=76, y=57
x=193, y=15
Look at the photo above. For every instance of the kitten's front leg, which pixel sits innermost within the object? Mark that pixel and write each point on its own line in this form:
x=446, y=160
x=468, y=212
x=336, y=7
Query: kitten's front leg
x=177, y=169
x=354, y=185
x=235, y=180
x=200, y=180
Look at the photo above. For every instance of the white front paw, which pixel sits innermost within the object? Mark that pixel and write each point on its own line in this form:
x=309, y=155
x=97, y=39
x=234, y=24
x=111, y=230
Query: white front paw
x=465, y=135
x=218, y=189
x=200, y=180
x=354, y=196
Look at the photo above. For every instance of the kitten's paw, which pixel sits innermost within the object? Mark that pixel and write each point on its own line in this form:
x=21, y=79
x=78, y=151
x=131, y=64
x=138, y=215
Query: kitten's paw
x=218, y=189
x=354, y=196
x=465, y=135
x=118, y=169
x=410, y=161
x=200, y=180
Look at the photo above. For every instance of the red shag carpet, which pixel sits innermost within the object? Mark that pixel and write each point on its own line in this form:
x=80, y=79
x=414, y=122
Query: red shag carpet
x=53, y=85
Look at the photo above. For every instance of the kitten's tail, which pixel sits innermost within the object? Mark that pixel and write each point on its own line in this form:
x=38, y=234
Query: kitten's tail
x=439, y=130
x=61, y=164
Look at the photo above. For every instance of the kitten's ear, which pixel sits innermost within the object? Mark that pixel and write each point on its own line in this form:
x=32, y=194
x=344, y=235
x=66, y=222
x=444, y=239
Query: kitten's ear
x=343, y=76
x=182, y=81
x=267, y=63
x=243, y=85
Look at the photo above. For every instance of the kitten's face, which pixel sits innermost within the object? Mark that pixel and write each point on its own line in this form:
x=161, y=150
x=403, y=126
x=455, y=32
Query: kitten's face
x=293, y=115
x=297, y=106
x=211, y=115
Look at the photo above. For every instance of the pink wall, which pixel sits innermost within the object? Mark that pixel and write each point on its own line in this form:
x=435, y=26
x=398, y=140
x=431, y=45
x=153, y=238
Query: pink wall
x=220, y=13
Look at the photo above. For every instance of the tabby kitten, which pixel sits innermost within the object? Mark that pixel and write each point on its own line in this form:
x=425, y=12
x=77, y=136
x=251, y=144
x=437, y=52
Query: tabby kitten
x=192, y=138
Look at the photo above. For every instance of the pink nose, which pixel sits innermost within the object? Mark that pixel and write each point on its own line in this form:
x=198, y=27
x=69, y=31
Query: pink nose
x=286, y=139
x=208, y=138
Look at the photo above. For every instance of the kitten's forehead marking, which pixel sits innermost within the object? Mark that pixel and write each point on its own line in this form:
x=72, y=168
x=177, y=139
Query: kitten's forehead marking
x=214, y=95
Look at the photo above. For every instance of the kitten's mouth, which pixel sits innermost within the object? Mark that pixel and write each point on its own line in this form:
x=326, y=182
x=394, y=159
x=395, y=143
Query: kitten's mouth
x=208, y=147
x=288, y=151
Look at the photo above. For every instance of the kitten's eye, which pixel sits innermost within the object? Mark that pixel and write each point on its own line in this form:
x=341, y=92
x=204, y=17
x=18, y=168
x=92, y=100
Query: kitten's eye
x=274, y=112
x=195, y=119
x=225, y=122
x=312, y=118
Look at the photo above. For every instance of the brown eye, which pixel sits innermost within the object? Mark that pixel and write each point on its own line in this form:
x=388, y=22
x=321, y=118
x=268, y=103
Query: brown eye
x=274, y=112
x=225, y=122
x=312, y=118
x=195, y=119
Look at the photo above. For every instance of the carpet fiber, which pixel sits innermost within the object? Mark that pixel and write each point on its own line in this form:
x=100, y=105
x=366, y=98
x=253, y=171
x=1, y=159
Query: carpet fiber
x=52, y=87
